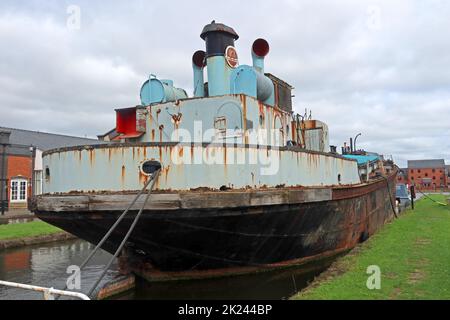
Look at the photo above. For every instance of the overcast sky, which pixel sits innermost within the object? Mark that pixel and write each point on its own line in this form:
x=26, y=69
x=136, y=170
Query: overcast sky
x=381, y=68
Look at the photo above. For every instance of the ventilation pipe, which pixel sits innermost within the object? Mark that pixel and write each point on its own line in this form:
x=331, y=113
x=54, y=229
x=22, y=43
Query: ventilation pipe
x=198, y=63
x=260, y=49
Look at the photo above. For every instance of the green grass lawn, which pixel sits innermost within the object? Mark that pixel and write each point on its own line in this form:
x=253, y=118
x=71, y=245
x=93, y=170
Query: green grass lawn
x=28, y=229
x=412, y=252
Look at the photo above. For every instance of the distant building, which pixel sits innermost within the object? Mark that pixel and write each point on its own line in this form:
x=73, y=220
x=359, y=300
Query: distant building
x=428, y=174
x=109, y=136
x=447, y=168
x=21, y=162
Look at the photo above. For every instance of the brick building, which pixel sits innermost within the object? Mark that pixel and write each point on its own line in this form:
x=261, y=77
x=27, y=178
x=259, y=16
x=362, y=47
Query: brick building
x=447, y=167
x=21, y=162
x=428, y=174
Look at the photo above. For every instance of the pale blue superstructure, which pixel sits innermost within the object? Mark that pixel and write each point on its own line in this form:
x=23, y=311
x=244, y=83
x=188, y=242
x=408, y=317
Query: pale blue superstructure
x=238, y=131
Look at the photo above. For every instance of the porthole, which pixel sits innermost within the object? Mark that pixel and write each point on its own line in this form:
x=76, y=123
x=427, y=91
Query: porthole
x=149, y=167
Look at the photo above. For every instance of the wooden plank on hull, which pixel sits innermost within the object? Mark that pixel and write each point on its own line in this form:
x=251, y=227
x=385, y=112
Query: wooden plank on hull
x=203, y=200
x=174, y=201
x=296, y=196
x=214, y=200
x=119, y=202
x=63, y=203
x=317, y=195
x=266, y=198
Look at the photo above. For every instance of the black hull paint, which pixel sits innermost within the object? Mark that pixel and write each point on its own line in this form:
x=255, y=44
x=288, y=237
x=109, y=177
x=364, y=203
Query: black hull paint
x=186, y=240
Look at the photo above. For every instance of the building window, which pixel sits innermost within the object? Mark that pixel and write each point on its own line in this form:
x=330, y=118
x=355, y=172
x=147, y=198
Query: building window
x=14, y=188
x=412, y=171
x=433, y=170
x=18, y=190
x=23, y=190
x=418, y=171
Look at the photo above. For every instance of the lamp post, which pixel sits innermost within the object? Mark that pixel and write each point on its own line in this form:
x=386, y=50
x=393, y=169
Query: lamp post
x=2, y=180
x=354, y=141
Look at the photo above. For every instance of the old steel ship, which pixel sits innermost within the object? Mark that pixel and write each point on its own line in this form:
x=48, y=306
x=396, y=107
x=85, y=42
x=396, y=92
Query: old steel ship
x=245, y=184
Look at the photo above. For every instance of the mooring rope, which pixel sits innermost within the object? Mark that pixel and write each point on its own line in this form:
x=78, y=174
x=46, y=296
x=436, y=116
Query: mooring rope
x=106, y=236
x=426, y=196
x=389, y=195
x=130, y=230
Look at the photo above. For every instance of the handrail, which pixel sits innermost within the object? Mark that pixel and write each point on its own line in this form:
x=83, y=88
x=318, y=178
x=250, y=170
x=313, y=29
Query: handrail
x=49, y=293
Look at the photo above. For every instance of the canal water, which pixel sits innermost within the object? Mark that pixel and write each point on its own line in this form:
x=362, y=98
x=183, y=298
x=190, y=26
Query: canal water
x=46, y=265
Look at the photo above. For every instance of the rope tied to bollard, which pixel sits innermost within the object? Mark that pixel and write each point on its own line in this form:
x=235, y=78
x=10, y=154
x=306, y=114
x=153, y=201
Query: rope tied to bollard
x=389, y=195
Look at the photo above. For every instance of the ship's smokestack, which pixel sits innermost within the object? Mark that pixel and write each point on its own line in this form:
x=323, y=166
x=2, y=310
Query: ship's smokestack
x=260, y=49
x=219, y=38
x=198, y=63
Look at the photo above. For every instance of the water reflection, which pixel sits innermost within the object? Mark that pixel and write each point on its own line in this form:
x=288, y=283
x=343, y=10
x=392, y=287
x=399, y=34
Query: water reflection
x=273, y=285
x=46, y=265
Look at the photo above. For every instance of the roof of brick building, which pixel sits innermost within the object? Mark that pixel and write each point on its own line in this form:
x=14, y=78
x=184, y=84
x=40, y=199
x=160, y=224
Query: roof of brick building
x=21, y=140
x=430, y=163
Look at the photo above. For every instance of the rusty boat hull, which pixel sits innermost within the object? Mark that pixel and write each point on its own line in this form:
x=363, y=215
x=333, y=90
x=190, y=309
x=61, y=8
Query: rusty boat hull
x=190, y=237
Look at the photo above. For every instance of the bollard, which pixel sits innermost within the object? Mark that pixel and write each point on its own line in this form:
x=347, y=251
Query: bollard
x=413, y=196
